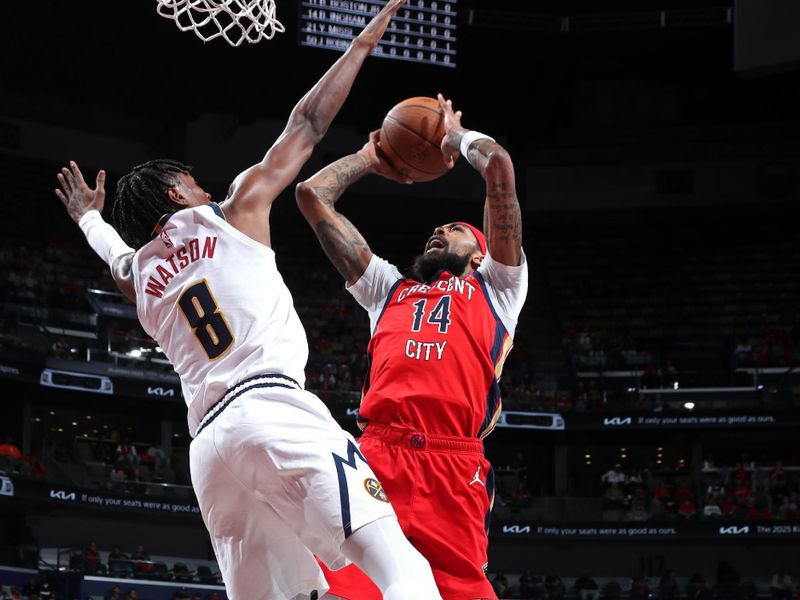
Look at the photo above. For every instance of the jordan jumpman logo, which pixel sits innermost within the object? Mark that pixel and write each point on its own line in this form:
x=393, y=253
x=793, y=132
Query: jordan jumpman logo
x=477, y=477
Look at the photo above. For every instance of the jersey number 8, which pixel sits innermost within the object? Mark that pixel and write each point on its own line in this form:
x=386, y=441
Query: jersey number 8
x=202, y=314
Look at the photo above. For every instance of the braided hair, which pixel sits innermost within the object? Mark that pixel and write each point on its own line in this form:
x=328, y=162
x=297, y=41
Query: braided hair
x=142, y=199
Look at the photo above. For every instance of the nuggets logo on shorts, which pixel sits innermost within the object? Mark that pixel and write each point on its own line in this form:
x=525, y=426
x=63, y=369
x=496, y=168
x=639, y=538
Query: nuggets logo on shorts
x=375, y=489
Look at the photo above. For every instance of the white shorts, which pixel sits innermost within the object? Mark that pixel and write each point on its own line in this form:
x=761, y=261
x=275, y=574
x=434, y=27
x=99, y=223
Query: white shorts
x=279, y=481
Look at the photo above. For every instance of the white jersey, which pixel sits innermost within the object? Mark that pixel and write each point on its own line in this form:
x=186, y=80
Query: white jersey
x=215, y=302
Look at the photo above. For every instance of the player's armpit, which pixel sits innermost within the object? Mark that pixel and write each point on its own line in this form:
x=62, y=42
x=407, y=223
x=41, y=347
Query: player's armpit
x=248, y=204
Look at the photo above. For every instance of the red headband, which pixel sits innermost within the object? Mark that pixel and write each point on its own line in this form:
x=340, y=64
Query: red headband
x=478, y=235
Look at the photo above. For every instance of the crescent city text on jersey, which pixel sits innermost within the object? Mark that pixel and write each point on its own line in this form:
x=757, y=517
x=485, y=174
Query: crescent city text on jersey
x=454, y=284
x=440, y=314
x=180, y=259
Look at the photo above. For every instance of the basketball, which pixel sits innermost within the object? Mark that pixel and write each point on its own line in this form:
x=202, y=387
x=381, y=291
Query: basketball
x=411, y=135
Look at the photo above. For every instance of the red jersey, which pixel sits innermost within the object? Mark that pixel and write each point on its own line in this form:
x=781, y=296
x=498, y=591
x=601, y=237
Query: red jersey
x=437, y=349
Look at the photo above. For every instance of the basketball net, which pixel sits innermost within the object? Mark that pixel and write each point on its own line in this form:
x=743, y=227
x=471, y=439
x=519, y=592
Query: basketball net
x=235, y=21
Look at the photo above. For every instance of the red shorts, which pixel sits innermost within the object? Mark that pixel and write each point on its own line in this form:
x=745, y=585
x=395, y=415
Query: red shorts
x=442, y=489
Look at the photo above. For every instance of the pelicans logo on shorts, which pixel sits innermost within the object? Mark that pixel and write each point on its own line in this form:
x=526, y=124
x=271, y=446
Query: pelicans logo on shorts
x=375, y=489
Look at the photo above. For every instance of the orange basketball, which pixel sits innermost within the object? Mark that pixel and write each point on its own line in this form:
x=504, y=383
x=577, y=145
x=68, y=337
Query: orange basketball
x=411, y=135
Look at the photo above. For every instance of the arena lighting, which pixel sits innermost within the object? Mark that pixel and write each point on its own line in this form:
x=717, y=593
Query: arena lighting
x=688, y=405
x=135, y=353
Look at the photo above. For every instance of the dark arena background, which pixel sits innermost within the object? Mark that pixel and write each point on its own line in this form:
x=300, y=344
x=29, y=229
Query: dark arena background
x=648, y=446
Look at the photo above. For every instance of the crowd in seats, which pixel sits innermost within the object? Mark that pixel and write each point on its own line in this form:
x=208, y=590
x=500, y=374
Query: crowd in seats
x=744, y=491
x=14, y=462
x=752, y=491
x=129, y=467
x=139, y=564
x=665, y=584
x=630, y=288
x=771, y=347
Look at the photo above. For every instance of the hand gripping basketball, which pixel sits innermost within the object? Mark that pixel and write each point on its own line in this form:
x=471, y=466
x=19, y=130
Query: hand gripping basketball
x=411, y=138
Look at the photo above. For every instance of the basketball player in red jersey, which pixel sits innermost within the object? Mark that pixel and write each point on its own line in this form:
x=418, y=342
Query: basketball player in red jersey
x=439, y=338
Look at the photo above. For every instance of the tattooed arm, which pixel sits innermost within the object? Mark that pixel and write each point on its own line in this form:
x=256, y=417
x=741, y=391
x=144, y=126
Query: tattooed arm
x=343, y=243
x=502, y=218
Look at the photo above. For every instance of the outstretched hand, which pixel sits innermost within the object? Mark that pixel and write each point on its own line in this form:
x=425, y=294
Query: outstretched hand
x=380, y=166
x=75, y=194
x=374, y=30
x=452, y=123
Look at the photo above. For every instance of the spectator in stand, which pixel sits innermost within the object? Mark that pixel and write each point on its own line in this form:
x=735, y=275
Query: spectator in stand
x=614, y=476
x=181, y=594
x=586, y=587
x=139, y=554
x=554, y=586
x=635, y=479
x=14, y=593
x=787, y=507
x=657, y=511
x=712, y=507
x=500, y=584
x=10, y=456
x=31, y=466
x=213, y=596
x=782, y=586
x=640, y=589
x=535, y=588
x=777, y=478
x=93, y=563
x=125, y=455
x=117, y=554
x=156, y=456
x=118, y=478
x=115, y=593
x=46, y=591
x=525, y=584
x=696, y=589
x=9, y=448
x=31, y=588
x=682, y=491
x=668, y=585
x=197, y=596
x=687, y=509
x=743, y=468
x=132, y=595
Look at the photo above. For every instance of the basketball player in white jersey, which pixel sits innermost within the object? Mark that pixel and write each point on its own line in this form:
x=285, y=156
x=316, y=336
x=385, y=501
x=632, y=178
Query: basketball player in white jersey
x=277, y=479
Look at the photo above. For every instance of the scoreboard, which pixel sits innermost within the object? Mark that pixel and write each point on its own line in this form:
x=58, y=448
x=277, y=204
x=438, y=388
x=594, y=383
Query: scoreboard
x=422, y=31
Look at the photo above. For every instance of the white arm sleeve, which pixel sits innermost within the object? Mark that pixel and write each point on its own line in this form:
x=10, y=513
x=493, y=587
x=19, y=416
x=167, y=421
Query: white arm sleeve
x=102, y=237
x=508, y=288
x=372, y=288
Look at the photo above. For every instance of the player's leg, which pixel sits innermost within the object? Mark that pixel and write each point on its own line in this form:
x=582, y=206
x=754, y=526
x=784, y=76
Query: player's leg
x=402, y=573
x=259, y=556
x=461, y=486
x=326, y=490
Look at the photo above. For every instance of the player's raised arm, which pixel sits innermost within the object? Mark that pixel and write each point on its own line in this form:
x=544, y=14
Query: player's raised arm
x=316, y=196
x=254, y=190
x=502, y=219
x=84, y=206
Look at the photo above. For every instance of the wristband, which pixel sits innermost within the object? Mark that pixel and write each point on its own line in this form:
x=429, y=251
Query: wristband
x=102, y=237
x=469, y=137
